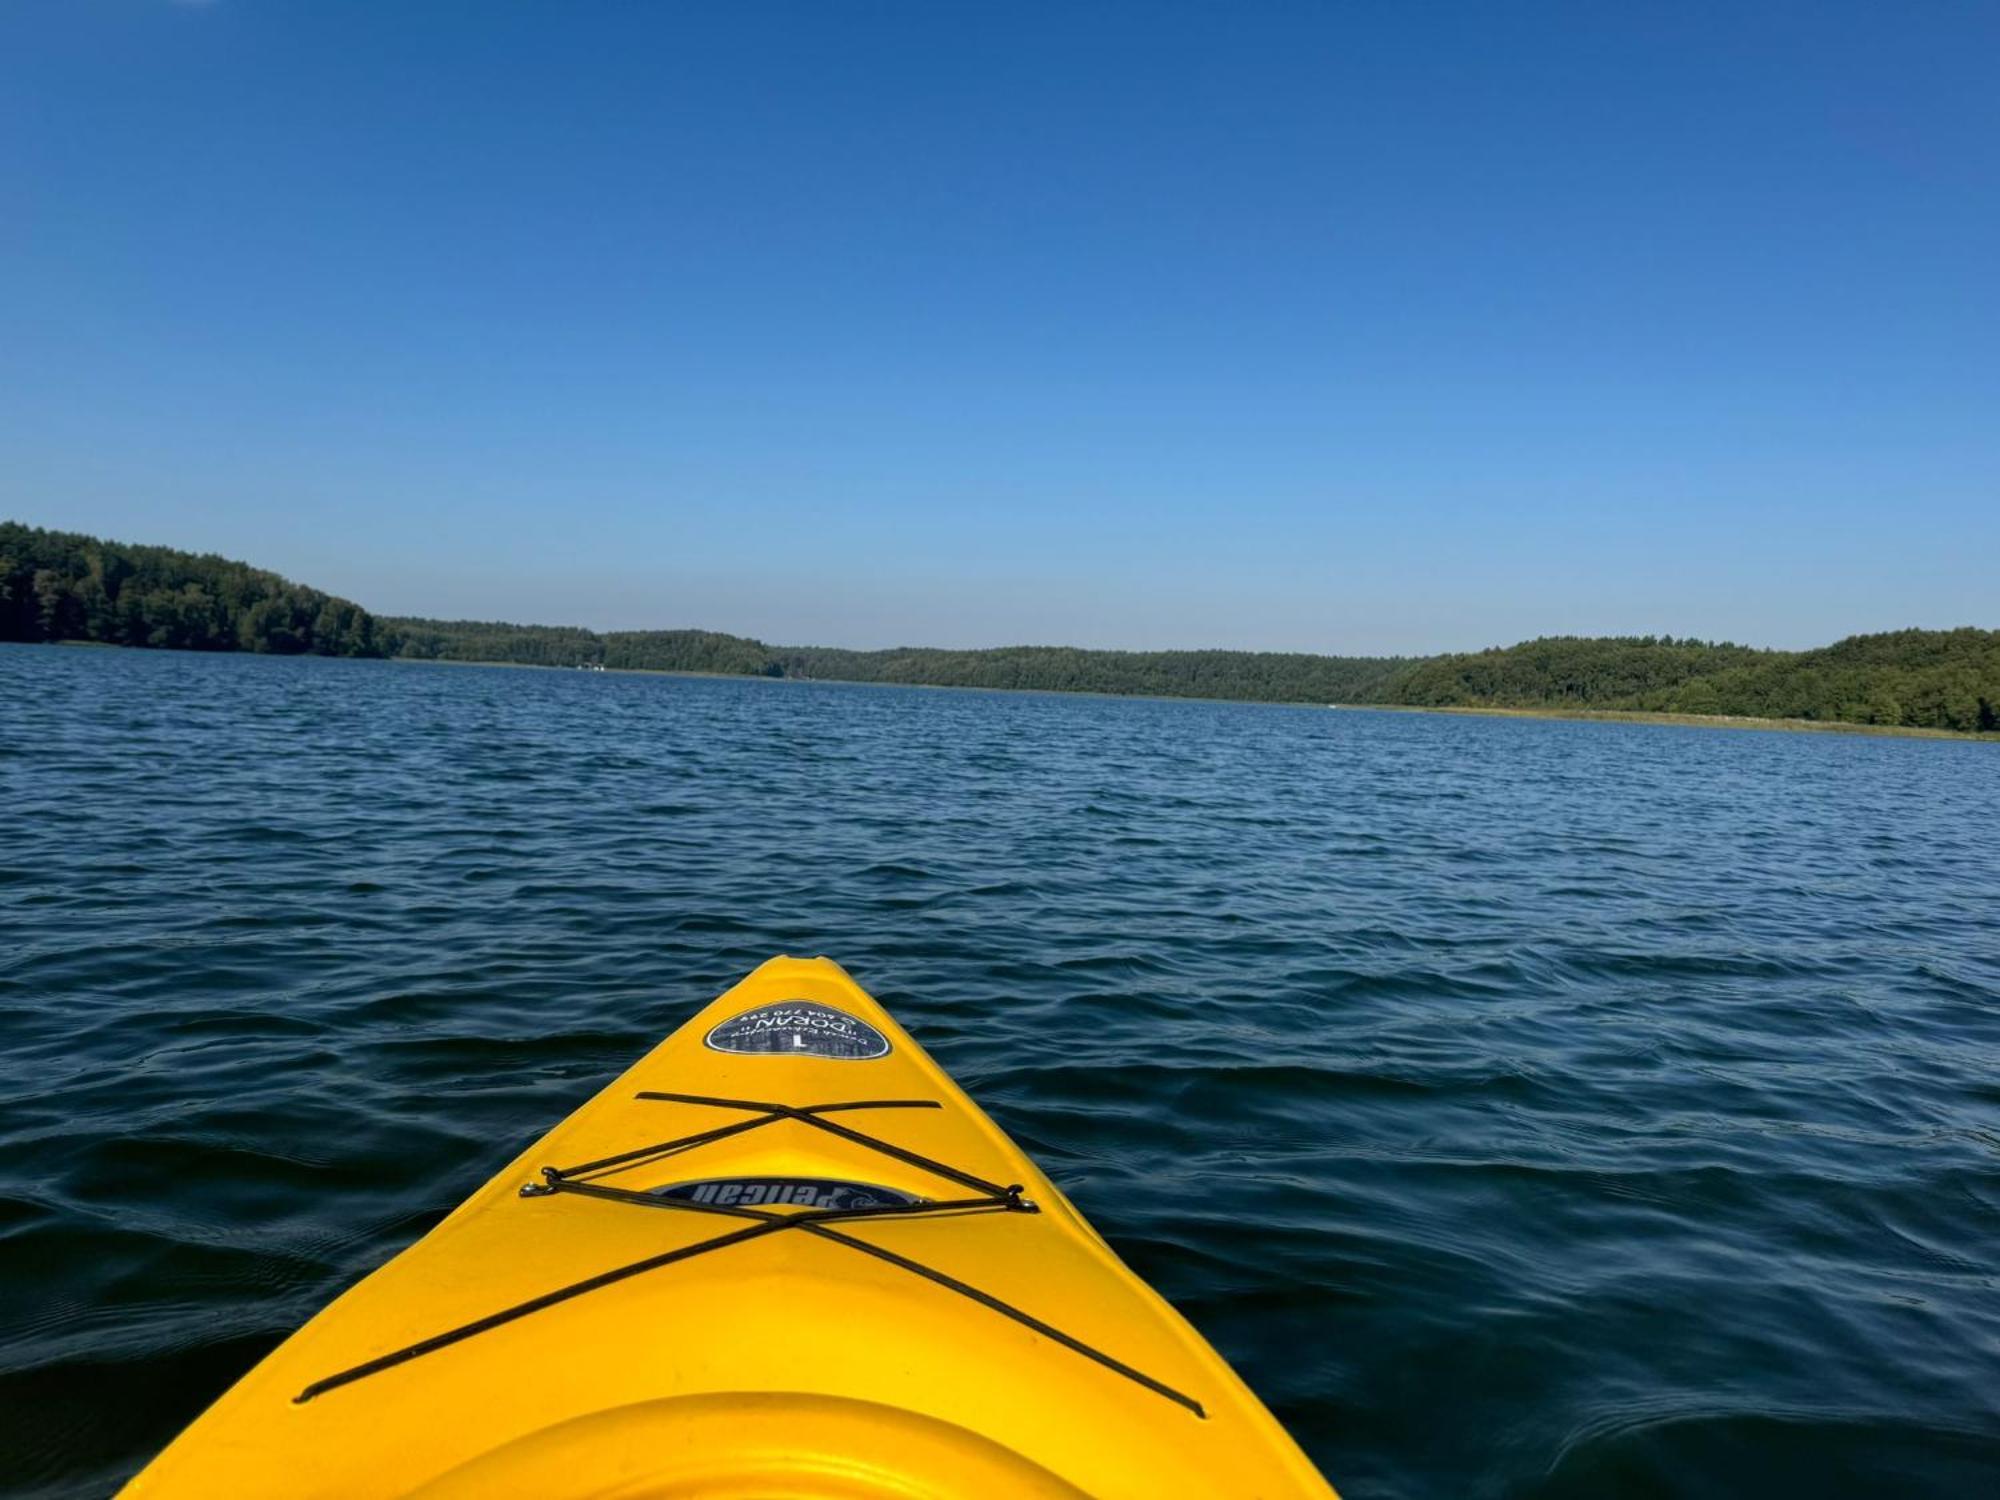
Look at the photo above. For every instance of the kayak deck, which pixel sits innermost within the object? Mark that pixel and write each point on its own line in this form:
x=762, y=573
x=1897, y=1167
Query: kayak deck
x=782, y=1254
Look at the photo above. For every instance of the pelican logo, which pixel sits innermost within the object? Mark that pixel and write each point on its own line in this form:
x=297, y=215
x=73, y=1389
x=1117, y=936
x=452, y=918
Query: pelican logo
x=799, y=1028
x=786, y=1192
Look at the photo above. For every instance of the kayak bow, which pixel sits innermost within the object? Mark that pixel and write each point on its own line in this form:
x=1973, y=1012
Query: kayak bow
x=783, y=1255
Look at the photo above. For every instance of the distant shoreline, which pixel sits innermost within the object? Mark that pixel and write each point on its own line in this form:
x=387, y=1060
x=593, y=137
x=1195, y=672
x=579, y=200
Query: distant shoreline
x=1916, y=683
x=1572, y=715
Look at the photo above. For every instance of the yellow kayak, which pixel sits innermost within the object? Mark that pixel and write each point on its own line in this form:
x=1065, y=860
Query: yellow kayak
x=782, y=1256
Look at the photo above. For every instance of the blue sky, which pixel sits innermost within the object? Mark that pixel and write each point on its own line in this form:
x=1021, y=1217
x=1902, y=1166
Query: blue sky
x=1342, y=327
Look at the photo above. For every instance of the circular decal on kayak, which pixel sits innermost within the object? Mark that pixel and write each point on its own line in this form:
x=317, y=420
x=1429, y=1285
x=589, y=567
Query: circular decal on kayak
x=799, y=1028
x=798, y=1192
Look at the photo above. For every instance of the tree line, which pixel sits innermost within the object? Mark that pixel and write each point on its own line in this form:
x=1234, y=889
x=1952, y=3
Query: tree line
x=58, y=586
x=1274, y=677
x=1937, y=679
x=1912, y=679
x=1256, y=676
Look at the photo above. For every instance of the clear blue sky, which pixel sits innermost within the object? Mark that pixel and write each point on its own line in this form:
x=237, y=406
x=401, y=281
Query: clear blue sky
x=1347, y=327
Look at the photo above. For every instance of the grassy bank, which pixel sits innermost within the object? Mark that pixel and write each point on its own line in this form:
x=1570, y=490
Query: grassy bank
x=1694, y=721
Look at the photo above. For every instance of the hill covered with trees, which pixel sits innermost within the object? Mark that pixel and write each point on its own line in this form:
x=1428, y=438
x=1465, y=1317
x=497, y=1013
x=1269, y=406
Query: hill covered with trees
x=1912, y=679
x=1567, y=670
x=58, y=586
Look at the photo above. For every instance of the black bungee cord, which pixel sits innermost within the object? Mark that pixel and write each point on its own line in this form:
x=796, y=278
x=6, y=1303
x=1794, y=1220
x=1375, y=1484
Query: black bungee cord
x=819, y=1223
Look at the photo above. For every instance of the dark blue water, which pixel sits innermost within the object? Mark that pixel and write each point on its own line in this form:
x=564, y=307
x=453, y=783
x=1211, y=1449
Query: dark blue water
x=1526, y=1108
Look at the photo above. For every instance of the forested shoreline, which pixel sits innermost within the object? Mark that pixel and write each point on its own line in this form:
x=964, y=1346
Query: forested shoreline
x=60, y=586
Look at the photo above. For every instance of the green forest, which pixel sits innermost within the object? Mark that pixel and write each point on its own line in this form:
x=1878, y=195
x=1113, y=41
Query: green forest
x=1907, y=679
x=58, y=586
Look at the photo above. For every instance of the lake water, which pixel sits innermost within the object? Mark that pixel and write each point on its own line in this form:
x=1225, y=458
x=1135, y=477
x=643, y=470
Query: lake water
x=1525, y=1108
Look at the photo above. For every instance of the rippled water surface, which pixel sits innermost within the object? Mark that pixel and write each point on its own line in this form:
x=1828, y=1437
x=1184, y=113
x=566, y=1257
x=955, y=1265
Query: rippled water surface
x=1526, y=1108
